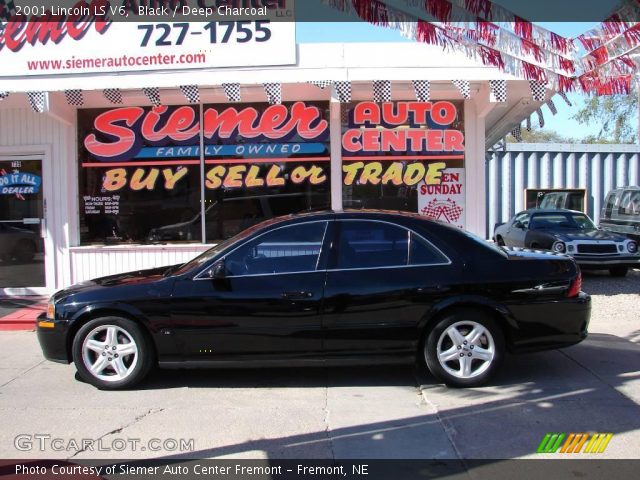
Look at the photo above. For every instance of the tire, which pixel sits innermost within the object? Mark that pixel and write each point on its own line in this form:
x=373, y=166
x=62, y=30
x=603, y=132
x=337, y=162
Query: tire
x=25, y=251
x=490, y=341
x=123, y=365
x=619, y=271
x=500, y=241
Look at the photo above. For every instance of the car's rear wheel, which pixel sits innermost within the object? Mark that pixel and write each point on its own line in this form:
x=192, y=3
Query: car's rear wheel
x=500, y=241
x=465, y=348
x=619, y=271
x=112, y=353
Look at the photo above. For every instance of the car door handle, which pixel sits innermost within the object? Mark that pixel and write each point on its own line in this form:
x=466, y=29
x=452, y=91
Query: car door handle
x=296, y=295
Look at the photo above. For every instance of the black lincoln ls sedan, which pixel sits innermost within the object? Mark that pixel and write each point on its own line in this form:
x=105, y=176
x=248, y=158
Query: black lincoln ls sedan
x=365, y=287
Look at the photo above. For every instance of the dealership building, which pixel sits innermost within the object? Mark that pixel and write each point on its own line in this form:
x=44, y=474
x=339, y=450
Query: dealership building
x=115, y=163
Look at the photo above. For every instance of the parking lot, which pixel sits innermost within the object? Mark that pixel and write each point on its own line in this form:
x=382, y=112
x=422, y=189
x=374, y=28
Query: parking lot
x=340, y=413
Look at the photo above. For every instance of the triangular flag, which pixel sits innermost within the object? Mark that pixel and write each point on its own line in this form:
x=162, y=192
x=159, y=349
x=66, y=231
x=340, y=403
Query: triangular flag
x=192, y=92
x=37, y=101
x=74, y=97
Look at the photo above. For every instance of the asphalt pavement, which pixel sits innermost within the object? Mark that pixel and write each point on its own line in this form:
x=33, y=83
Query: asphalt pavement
x=335, y=413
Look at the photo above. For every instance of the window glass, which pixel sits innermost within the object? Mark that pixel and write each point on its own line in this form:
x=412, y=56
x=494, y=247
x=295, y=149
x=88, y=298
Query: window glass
x=138, y=184
x=390, y=149
x=273, y=162
x=576, y=202
x=523, y=218
x=422, y=252
x=561, y=220
x=630, y=203
x=285, y=250
x=140, y=177
x=366, y=244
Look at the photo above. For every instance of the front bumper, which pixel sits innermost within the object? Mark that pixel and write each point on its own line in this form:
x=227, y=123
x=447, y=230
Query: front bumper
x=606, y=261
x=549, y=325
x=53, y=341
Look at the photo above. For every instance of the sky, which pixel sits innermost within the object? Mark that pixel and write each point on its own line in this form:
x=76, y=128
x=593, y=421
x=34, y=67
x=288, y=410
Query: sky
x=310, y=32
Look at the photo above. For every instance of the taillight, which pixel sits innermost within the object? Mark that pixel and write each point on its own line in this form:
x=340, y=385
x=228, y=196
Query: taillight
x=575, y=287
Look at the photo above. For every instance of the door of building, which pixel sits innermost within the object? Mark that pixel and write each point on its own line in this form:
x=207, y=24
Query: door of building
x=22, y=225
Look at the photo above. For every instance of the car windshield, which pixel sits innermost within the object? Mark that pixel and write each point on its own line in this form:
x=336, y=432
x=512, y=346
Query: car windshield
x=207, y=255
x=555, y=220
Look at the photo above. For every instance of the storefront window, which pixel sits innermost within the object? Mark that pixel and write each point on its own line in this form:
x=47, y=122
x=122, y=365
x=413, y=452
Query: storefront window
x=140, y=170
x=261, y=172
x=405, y=156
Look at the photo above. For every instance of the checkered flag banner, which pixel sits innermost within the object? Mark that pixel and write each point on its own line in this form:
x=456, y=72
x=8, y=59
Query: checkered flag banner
x=498, y=91
x=274, y=93
x=540, y=118
x=232, y=91
x=192, y=92
x=423, y=90
x=3, y=95
x=74, y=97
x=443, y=209
x=538, y=90
x=463, y=87
x=565, y=98
x=343, y=91
x=528, y=123
x=552, y=107
x=381, y=91
x=153, y=94
x=7, y=8
x=113, y=95
x=517, y=133
x=37, y=101
x=322, y=84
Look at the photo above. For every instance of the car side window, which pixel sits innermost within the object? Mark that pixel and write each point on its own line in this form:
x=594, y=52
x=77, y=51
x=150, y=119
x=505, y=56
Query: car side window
x=422, y=252
x=290, y=249
x=630, y=203
x=368, y=244
x=522, y=218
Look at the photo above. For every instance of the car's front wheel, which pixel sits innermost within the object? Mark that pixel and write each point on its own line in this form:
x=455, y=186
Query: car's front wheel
x=112, y=353
x=464, y=349
x=619, y=271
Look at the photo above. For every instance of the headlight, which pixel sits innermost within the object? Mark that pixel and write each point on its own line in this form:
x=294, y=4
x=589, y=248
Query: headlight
x=51, y=310
x=632, y=247
x=558, y=247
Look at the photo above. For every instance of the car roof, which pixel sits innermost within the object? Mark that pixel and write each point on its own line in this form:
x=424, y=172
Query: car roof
x=386, y=215
x=551, y=210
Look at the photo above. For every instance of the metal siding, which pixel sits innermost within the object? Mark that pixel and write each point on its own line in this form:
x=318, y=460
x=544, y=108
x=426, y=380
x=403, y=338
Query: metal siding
x=88, y=262
x=598, y=169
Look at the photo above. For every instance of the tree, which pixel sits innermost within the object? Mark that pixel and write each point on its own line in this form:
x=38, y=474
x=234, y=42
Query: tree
x=616, y=114
x=536, y=135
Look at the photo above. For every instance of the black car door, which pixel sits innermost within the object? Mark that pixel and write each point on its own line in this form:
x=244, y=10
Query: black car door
x=381, y=280
x=266, y=304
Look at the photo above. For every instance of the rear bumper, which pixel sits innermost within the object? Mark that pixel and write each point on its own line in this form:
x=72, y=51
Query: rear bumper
x=53, y=341
x=549, y=325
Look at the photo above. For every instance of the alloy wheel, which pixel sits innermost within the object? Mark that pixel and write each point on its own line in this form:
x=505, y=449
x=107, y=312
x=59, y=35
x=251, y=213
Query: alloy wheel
x=109, y=353
x=466, y=349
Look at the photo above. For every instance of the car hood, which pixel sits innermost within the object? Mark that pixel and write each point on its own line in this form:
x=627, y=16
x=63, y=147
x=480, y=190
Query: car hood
x=593, y=234
x=139, y=277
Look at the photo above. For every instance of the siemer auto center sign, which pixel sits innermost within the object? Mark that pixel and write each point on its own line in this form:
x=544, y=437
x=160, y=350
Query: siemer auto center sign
x=94, y=36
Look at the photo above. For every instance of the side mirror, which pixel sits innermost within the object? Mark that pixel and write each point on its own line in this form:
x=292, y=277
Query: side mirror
x=518, y=225
x=217, y=271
